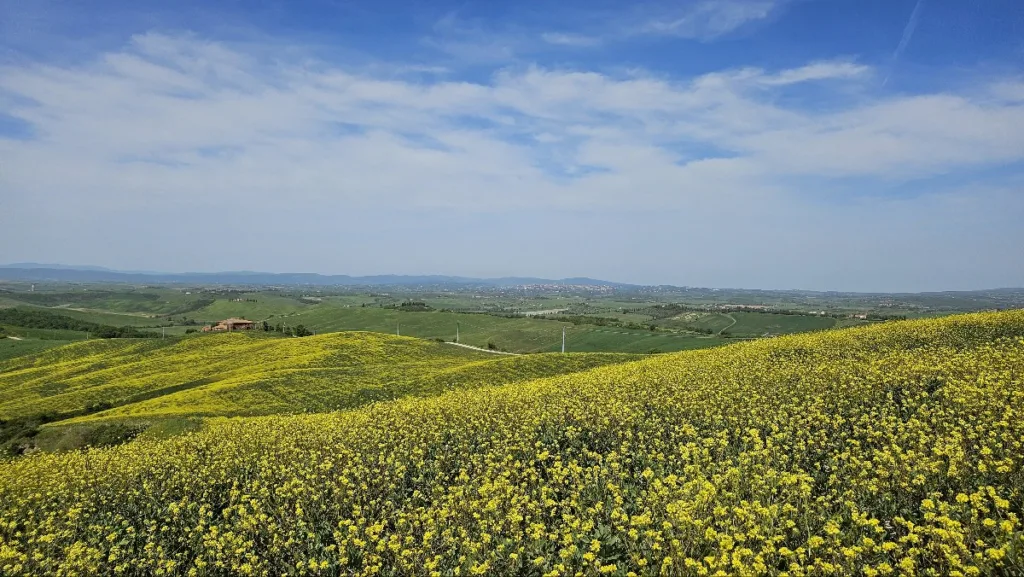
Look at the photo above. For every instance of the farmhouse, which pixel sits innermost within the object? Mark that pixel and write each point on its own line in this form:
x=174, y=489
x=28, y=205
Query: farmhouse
x=230, y=325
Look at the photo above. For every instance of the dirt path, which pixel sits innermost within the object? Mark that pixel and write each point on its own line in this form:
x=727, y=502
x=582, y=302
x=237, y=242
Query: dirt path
x=731, y=318
x=14, y=338
x=481, y=349
x=105, y=312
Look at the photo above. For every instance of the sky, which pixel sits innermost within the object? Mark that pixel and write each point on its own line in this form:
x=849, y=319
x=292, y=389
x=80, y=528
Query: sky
x=856, y=145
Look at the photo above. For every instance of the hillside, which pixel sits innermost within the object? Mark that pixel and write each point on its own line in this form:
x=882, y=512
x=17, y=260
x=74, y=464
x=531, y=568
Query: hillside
x=152, y=308
x=253, y=374
x=888, y=449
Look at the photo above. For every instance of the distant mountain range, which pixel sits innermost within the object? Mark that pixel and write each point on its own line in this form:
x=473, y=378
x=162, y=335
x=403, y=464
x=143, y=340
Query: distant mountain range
x=64, y=273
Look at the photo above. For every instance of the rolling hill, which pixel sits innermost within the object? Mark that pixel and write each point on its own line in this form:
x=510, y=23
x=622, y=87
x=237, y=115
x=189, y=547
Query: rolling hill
x=253, y=374
x=888, y=449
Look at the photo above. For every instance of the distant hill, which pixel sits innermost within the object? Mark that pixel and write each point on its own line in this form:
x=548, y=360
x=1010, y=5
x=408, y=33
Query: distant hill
x=64, y=273
x=36, y=265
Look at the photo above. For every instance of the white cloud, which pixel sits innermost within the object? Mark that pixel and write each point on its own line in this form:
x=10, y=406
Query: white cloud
x=166, y=100
x=1009, y=90
x=702, y=20
x=816, y=71
x=182, y=126
x=709, y=19
x=566, y=39
x=473, y=42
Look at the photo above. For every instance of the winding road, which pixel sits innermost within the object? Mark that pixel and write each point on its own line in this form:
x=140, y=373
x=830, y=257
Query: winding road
x=731, y=318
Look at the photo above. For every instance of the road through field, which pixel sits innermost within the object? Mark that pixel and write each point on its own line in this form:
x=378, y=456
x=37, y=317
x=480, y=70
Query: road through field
x=731, y=318
x=481, y=349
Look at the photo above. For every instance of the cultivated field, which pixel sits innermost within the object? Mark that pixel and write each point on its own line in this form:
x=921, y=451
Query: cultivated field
x=511, y=334
x=345, y=313
x=599, y=321
x=889, y=449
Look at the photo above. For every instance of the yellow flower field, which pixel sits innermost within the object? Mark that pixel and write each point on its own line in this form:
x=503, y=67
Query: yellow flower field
x=252, y=374
x=893, y=449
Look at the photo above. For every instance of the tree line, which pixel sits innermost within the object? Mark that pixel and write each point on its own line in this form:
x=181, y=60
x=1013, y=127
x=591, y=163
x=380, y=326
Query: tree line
x=296, y=331
x=39, y=319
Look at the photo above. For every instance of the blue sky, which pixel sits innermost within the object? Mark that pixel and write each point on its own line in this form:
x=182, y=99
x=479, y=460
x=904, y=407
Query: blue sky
x=817, y=144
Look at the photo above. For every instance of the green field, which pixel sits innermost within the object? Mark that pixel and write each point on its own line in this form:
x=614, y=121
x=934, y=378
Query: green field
x=267, y=306
x=521, y=334
x=11, y=348
x=757, y=324
x=151, y=300
x=701, y=320
x=107, y=318
x=584, y=338
x=101, y=317
x=43, y=334
x=754, y=324
x=323, y=311
x=343, y=313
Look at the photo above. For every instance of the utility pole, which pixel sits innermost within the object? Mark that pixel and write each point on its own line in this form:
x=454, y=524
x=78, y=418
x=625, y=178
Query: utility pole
x=563, y=339
x=163, y=333
x=398, y=329
x=456, y=331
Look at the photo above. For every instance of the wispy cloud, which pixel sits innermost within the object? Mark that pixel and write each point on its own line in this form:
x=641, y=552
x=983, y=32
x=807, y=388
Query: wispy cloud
x=703, y=20
x=566, y=39
x=708, y=19
x=474, y=42
x=828, y=70
x=167, y=97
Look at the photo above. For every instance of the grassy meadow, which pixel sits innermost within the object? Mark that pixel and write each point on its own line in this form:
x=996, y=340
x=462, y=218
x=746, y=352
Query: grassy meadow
x=882, y=450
